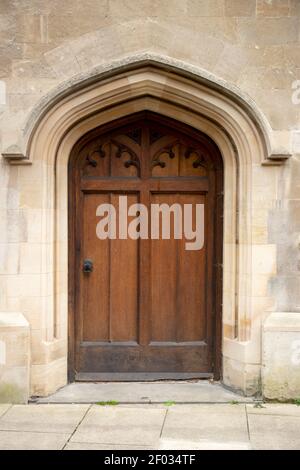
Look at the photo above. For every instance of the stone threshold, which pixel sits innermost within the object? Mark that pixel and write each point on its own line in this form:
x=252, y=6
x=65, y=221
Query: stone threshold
x=161, y=392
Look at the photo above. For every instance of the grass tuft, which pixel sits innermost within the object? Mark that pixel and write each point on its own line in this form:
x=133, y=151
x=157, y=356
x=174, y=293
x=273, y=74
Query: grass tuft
x=107, y=403
x=169, y=403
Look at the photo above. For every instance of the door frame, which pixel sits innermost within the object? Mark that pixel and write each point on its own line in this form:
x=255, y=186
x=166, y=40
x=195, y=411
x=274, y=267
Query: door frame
x=217, y=289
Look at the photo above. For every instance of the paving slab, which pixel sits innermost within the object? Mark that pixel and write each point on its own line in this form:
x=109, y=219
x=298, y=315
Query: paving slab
x=44, y=418
x=180, y=444
x=208, y=426
x=155, y=426
x=273, y=432
x=12, y=440
x=3, y=408
x=279, y=409
x=91, y=446
x=163, y=444
x=118, y=425
x=145, y=392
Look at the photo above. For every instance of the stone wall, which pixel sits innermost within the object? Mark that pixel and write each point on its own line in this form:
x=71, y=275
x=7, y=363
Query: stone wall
x=251, y=44
x=14, y=358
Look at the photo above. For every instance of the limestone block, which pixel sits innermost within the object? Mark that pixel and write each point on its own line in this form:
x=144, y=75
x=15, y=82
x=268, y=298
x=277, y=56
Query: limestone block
x=203, y=8
x=291, y=53
x=219, y=27
x=128, y=8
x=264, y=30
x=8, y=26
x=32, y=68
x=47, y=378
x=14, y=358
x=264, y=259
x=240, y=7
x=63, y=61
x=8, y=52
x=74, y=25
x=295, y=7
x=296, y=141
x=281, y=356
x=294, y=182
x=241, y=377
x=269, y=56
x=231, y=63
x=273, y=8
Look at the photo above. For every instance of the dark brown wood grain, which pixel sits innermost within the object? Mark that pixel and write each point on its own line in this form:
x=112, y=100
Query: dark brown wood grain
x=149, y=307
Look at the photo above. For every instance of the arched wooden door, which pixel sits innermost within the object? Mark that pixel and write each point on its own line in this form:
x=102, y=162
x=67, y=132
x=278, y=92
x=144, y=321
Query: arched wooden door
x=144, y=308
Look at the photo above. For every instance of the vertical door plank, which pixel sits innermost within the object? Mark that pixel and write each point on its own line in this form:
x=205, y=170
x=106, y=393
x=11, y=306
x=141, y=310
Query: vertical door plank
x=124, y=283
x=163, y=281
x=94, y=298
x=192, y=289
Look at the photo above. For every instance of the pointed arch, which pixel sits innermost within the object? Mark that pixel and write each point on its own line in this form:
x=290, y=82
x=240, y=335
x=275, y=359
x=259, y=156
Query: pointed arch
x=214, y=87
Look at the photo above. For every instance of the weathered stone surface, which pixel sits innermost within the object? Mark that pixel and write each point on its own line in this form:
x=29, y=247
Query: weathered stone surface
x=31, y=29
x=8, y=27
x=276, y=78
x=3, y=408
x=14, y=440
x=43, y=419
x=87, y=446
x=240, y=7
x=184, y=427
x=14, y=358
x=219, y=27
x=146, y=8
x=203, y=8
x=105, y=425
x=265, y=56
x=241, y=377
x=135, y=392
x=202, y=424
x=269, y=432
x=62, y=27
x=281, y=365
x=63, y=61
x=274, y=409
x=231, y=63
x=265, y=31
x=273, y=8
x=294, y=7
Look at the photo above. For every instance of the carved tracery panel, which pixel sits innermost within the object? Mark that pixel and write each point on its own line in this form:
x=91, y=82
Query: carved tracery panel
x=120, y=155
x=113, y=156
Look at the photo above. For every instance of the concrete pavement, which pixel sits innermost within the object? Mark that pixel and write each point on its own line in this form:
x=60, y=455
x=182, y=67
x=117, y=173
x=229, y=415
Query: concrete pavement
x=150, y=426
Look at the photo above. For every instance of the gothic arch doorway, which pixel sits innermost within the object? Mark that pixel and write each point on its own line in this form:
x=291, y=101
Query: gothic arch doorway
x=250, y=152
x=144, y=308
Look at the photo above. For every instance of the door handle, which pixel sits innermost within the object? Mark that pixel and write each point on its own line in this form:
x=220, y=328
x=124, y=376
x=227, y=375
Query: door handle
x=88, y=266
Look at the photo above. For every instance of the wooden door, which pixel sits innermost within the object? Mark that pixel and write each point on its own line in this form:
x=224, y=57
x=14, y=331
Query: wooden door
x=149, y=308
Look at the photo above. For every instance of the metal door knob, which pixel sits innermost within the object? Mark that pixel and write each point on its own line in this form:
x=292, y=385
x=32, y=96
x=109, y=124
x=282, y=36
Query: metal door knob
x=88, y=266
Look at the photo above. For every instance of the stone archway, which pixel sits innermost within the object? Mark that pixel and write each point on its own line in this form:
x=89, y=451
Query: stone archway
x=192, y=97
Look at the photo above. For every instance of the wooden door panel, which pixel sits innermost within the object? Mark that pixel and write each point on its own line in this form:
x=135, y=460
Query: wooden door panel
x=163, y=290
x=109, y=295
x=153, y=359
x=178, y=307
x=192, y=282
x=124, y=266
x=177, y=281
x=93, y=322
x=148, y=309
